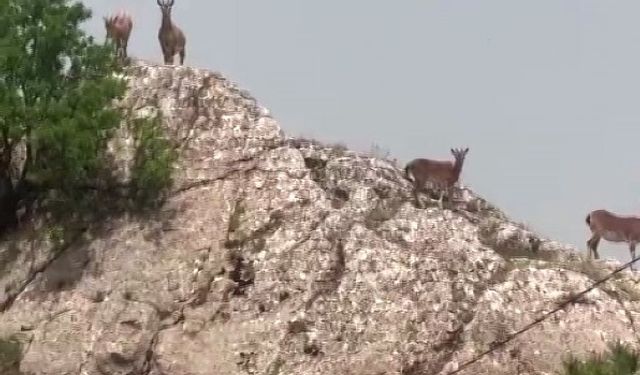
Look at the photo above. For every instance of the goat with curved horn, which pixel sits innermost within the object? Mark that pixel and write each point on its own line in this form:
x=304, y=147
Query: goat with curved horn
x=119, y=28
x=613, y=228
x=444, y=174
x=172, y=39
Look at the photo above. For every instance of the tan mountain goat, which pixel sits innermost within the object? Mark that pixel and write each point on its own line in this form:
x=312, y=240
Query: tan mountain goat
x=172, y=40
x=613, y=228
x=119, y=28
x=443, y=174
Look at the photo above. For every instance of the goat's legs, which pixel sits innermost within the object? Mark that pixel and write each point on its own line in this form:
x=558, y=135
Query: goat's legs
x=417, y=197
x=167, y=53
x=168, y=59
x=124, y=49
x=118, y=48
x=451, y=192
x=122, y=53
x=440, y=200
x=182, y=54
x=592, y=246
x=632, y=251
x=417, y=187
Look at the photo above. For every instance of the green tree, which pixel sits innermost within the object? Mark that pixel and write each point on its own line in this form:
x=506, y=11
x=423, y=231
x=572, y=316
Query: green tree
x=56, y=90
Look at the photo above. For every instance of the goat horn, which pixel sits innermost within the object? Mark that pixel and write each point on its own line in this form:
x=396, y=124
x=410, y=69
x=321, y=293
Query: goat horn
x=171, y=2
x=159, y=2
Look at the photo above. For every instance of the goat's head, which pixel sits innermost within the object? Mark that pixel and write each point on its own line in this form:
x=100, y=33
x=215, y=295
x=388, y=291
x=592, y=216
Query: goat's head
x=459, y=154
x=165, y=6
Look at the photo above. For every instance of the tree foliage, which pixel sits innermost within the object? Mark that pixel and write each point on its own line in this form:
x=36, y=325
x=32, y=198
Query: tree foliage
x=619, y=360
x=57, y=86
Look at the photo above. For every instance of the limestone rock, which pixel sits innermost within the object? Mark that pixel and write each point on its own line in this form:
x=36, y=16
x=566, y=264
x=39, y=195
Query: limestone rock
x=285, y=256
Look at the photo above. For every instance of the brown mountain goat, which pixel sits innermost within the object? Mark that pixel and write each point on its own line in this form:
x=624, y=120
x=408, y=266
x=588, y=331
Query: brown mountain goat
x=172, y=39
x=613, y=228
x=119, y=28
x=443, y=174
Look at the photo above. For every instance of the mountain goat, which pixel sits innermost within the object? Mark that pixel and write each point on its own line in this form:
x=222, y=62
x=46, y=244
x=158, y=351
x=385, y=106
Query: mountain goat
x=172, y=39
x=613, y=228
x=119, y=28
x=443, y=174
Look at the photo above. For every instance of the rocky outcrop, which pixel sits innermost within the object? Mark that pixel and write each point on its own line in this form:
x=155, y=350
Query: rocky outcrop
x=283, y=256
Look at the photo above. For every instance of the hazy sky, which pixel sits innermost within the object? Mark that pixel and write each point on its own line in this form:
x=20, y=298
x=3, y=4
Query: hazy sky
x=545, y=93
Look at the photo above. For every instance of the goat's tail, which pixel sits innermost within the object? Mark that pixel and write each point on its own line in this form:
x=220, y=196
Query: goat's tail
x=588, y=219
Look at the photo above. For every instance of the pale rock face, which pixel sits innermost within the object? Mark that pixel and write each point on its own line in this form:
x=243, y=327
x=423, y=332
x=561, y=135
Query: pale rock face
x=281, y=256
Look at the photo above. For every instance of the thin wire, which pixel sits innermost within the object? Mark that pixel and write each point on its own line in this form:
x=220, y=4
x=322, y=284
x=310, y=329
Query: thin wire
x=542, y=318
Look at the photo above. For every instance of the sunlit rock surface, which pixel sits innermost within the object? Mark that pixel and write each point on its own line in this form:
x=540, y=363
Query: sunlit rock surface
x=283, y=256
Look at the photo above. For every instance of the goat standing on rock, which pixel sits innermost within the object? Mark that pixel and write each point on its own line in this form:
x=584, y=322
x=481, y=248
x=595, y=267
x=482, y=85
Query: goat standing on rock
x=172, y=40
x=444, y=174
x=119, y=29
x=613, y=228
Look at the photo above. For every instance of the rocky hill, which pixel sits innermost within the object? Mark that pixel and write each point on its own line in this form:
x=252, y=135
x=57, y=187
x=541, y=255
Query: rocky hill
x=283, y=256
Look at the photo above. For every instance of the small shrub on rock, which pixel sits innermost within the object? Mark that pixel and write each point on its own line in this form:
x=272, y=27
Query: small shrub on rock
x=154, y=158
x=620, y=359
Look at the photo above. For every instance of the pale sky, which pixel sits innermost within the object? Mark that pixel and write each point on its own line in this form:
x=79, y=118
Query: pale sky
x=545, y=93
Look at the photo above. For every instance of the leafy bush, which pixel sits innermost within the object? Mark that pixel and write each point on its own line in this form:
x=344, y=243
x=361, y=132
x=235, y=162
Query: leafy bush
x=57, y=89
x=619, y=360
